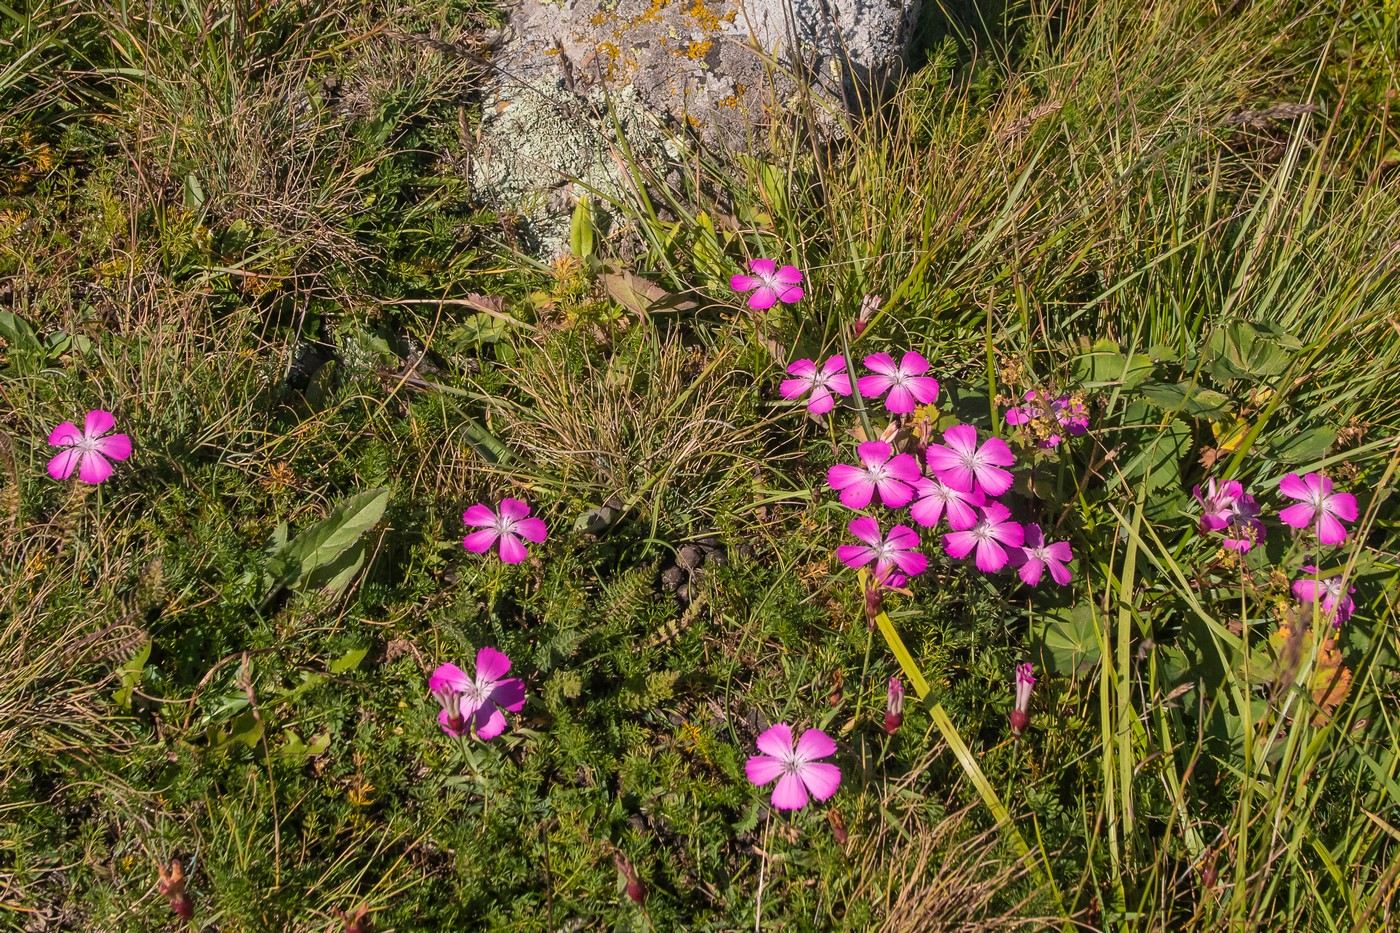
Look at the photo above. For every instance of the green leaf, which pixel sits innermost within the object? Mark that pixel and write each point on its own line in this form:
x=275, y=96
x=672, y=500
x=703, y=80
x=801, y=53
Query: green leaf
x=322, y=557
x=1242, y=350
x=131, y=673
x=349, y=661
x=1186, y=398
x=581, y=230
x=1068, y=639
x=1305, y=446
x=1105, y=364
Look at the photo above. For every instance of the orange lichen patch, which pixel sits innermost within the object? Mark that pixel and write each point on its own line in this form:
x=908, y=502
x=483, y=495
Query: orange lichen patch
x=705, y=16
x=698, y=50
x=599, y=18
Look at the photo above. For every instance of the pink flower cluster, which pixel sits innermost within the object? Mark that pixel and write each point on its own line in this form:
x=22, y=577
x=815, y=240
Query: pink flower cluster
x=903, y=385
x=959, y=481
x=1320, y=510
x=1066, y=414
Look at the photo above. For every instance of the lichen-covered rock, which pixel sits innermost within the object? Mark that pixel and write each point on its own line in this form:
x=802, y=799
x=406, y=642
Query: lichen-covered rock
x=571, y=75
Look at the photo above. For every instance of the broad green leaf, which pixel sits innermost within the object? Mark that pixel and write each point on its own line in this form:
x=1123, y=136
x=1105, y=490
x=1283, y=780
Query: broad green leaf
x=581, y=230
x=317, y=557
x=1242, y=350
x=1068, y=639
x=348, y=661
x=1186, y=398
x=1105, y=364
x=1305, y=446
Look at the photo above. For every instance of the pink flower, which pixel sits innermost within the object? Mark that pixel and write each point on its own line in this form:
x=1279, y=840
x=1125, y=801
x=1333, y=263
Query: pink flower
x=820, y=382
x=894, y=705
x=897, y=550
x=473, y=705
x=1067, y=413
x=960, y=463
x=992, y=534
x=1320, y=507
x=1071, y=414
x=1227, y=507
x=1336, y=605
x=510, y=524
x=1025, y=414
x=797, y=770
x=1034, y=556
x=881, y=469
x=934, y=498
x=906, y=383
x=1025, y=683
x=769, y=283
x=88, y=450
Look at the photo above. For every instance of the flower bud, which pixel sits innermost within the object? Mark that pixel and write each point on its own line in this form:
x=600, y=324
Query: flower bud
x=894, y=705
x=1025, y=683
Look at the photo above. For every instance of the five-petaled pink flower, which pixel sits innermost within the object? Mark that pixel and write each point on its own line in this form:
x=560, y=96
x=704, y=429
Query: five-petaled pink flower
x=1335, y=604
x=511, y=523
x=991, y=536
x=796, y=769
x=1320, y=507
x=935, y=498
x=960, y=463
x=882, y=470
x=899, y=549
x=89, y=450
x=769, y=283
x=821, y=382
x=906, y=383
x=1035, y=556
x=1025, y=683
x=472, y=705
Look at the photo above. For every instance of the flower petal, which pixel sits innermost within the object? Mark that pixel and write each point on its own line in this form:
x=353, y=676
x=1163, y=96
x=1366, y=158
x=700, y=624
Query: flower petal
x=793, y=388
x=958, y=544
x=788, y=275
x=478, y=514
x=763, y=769
x=874, y=452
x=763, y=267
x=873, y=386
x=900, y=401
x=866, y=529
x=532, y=529
x=841, y=475
x=763, y=298
x=822, y=779
x=491, y=664
x=512, y=551
x=65, y=434
x=790, y=294
x=62, y=466
x=961, y=437
x=98, y=422
x=776, y=740
x=448, y=677
x=894, y=494
x=1293, y=487
x=509, y=694
x=479, y=542
x=514, y=508
x=489, y=722
x=913, y=363
x=912, y=563
x=1329, y=530
x=991, y=556
x=1297, y=516
x=804, y=367
x=114, y=446
x=1342, y=505
x=857, y=495
x=789, y=793
x=855, y=555
x=815, y=744
x=881, y=363
x=743, y=283
x=93, y=468
x=1030, y=571
x=821, y=402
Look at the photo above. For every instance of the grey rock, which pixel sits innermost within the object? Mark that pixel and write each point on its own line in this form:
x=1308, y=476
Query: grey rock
x=583, y=86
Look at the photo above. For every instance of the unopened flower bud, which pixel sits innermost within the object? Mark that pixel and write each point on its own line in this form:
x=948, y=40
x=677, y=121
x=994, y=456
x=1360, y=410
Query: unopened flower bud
x=1021, y=715
x=894, y=705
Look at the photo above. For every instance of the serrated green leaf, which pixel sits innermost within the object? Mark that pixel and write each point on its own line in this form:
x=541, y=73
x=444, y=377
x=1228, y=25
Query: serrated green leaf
x=1187, y=398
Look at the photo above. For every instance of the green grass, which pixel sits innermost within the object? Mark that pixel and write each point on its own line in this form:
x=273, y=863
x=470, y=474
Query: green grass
x=250, y=235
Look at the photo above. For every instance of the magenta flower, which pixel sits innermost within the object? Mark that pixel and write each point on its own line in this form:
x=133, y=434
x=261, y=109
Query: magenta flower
x=509, y=525
x=1035, y=556
x=1320, y=507
x=906, y=383
x=89, y=450
x=769, y=283
x=881, y=469
x=894, y=705
x=1025, y=414
x=934, y=498
x=473, y=705
x=1025, y=683
x=1071, y=414
x=991, y=536
x=897, y=550
x=1335, y=604
x=1227, y=507
x=960, y=463
x=831, y=377
x=797, y=770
